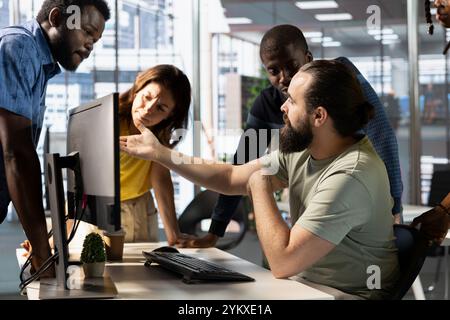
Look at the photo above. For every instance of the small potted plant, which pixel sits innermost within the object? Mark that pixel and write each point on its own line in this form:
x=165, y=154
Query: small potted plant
x=93, y=256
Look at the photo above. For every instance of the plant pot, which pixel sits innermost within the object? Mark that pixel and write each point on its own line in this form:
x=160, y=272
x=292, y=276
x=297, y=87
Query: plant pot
x=94, y=270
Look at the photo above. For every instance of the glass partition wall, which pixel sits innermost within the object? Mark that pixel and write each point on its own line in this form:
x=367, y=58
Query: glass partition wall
x=373, y=35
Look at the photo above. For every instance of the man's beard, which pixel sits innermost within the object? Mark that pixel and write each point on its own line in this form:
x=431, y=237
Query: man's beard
x=62, y=50
x=292, y=140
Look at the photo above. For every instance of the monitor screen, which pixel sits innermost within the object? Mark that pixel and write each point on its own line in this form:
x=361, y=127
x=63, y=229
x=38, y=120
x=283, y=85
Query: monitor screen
x=93, y=132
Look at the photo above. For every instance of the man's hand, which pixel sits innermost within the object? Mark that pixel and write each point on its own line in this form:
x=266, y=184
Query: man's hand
x=207, y=241
x=397, y=218
x=180, y=239
x=27, y=246
x=145, y=146
x=36, y=262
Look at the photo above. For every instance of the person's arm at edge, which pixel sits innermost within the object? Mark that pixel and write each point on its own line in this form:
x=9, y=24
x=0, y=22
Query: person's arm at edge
x=435, y=223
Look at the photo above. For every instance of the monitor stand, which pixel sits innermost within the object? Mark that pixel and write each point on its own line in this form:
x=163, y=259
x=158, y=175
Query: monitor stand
x=86, y=288
x=65, y=286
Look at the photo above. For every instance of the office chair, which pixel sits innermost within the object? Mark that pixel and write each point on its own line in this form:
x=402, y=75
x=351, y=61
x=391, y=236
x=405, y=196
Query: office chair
x=201, y=208
x=412, y=251
x=440, y=186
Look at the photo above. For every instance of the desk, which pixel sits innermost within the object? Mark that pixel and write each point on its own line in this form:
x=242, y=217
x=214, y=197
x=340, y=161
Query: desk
x=135, y=281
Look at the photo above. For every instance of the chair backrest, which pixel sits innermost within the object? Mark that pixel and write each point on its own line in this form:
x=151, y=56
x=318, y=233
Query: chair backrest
x=412, y=249
x=201, y=208
x=440, y=185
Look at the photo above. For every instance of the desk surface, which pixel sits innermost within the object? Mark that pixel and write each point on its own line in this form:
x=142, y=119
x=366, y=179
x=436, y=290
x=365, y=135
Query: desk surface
x=135, y=281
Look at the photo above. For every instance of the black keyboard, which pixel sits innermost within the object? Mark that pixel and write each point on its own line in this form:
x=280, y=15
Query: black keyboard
x=193, y=269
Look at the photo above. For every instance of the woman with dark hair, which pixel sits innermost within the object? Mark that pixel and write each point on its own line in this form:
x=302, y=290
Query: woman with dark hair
x=158, y=100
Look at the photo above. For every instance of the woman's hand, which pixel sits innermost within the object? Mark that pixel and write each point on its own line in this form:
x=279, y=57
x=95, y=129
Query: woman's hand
x=145, y=145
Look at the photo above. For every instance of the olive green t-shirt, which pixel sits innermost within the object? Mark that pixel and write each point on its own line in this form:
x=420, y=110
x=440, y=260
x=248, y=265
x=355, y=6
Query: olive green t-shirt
x=345, y=200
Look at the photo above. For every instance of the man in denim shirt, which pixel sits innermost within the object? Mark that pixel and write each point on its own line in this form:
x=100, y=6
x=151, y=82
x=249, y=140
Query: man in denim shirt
x=283, y=52
x=29, y=58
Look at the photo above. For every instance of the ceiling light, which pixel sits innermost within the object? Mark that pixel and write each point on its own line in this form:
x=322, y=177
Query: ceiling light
x=314, y=34
x=239, y=20
x=332, y=44
x=319, y=40
x=333, y=16
x=308, y=5
x=433, y=11
x=374, y=32
x=386, y=42
x=386, y=37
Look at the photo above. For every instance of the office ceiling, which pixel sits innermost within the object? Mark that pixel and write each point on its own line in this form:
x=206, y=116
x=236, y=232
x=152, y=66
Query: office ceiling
x=352, y=34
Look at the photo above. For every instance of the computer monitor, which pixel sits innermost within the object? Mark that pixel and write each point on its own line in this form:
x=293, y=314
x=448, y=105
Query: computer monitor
x=93, y=190
x=93, y=132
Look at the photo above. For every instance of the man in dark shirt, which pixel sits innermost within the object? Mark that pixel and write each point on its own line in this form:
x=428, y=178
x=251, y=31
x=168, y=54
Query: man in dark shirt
x=283, y=52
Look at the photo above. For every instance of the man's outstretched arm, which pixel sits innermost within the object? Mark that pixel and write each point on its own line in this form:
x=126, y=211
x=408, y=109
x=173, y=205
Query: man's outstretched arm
x=219, y=177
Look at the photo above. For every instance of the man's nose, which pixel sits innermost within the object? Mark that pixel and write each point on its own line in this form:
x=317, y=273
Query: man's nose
x=89, y=46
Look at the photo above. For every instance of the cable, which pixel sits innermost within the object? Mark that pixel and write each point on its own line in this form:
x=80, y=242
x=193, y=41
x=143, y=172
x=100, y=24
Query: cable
x=38, y=273
x=80, y=204
x=28, y=261
x=44, y=267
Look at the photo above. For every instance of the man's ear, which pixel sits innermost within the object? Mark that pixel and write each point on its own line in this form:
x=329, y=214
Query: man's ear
x=320, y=116
x=55, y=17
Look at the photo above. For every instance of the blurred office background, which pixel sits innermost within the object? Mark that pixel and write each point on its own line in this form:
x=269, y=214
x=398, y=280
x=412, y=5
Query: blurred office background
x=216, y=42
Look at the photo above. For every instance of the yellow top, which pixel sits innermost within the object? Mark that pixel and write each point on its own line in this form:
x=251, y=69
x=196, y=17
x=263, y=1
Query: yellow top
x=134, y=172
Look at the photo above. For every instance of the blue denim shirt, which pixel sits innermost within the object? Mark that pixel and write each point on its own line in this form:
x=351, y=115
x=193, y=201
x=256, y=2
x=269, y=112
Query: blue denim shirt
x=26, y=65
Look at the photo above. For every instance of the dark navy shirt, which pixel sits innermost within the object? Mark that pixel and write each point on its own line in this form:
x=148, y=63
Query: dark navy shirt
x=266, y=115
x=26, y=65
